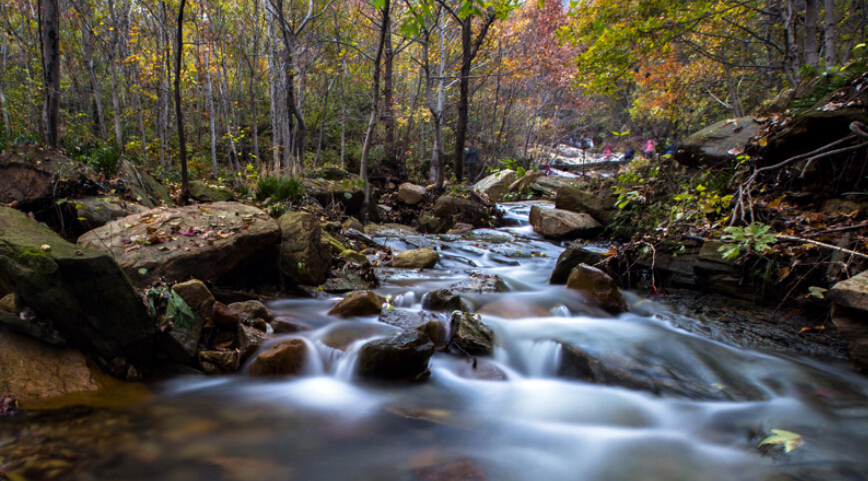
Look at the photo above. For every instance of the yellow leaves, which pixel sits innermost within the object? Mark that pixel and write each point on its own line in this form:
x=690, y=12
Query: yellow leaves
x=788, y=439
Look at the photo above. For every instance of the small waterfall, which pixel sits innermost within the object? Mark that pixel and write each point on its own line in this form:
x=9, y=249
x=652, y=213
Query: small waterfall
x=313, y=361
x=346, y=366
x=406, y=299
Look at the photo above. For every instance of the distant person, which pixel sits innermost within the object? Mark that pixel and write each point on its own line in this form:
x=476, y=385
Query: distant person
x=586, y=143
x=629, y=154
x=649, y=148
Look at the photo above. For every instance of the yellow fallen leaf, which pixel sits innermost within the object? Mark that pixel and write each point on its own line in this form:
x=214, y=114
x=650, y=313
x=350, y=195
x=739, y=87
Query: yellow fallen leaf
x=788, y=439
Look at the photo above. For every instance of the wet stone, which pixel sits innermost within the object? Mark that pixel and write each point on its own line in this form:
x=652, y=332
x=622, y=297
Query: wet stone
x=441, y=300
x=480, y=283
x=402, y=357
x=360, y=303
x=470, y=334
x=285, y=358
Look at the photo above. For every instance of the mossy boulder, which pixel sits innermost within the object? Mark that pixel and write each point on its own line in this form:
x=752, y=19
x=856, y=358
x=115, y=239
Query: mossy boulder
x=144, y=187
x=84, y=294
x=208, y=193
x=305, y=254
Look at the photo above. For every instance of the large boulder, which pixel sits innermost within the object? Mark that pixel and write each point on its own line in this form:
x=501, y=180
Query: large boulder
x=286, y=358
x=459, y=209
x=305, y=255
x=83, y=293
x=402, y=357
x=31, y=176
x=470, y=334
x=563, y=224
x=31, y=369
x=577, y=200
x=495, y=186
x=144, y=187
x=411, y=194
x=210, y=243
x=96, y=212
x=717, y=143
x=599, y=285
x=422, y=258
x=850, y=315
x=208, y=193
x=334, y=186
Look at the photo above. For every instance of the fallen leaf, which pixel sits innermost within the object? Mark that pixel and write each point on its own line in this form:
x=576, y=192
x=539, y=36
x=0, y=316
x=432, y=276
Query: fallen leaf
x=45, y=247
x=788, y=439
x=815, y=328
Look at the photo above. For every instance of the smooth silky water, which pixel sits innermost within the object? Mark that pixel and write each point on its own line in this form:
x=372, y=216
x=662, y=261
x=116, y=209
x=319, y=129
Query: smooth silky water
x=329, y=425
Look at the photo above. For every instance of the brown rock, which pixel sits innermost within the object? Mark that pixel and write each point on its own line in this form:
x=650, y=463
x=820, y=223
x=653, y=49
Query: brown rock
x=852, y=292
x=441, y=300
x=224, y=317
x=470, y=334
x=285, y=358
x=226, y=246
x=305, y=254
x=423, y=258
x=359, y=303
x=597, y=283
x=563, y=224
x=33, y=369
x=12, y=303
x=197, y=296
x=249, y=340
x=220, y=362
x=853, y=327
x=402, y=357
x=254, y=309
x=411, y=194
x=460, y=228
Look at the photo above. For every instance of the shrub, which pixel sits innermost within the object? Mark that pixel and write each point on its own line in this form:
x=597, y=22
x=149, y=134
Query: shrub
x=279, y=188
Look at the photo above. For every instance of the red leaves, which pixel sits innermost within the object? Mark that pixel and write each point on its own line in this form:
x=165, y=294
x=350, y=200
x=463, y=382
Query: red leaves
x=8, y=407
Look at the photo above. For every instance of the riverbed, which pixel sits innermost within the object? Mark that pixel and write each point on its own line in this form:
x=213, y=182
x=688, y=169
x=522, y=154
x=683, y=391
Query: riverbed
x=513, y=416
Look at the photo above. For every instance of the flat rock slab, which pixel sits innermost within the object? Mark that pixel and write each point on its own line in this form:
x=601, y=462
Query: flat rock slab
x=852, y=293
x=207, y=242
x=33, y=369
x=563, y=224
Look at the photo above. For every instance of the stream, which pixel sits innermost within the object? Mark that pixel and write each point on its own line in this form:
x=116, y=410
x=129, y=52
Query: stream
x=514, y=417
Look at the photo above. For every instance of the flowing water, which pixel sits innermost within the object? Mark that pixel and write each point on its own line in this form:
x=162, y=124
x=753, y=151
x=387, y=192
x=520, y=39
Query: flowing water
x=514, y=417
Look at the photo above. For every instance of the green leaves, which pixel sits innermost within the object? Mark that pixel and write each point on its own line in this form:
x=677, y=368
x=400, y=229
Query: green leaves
x=755, y=236
x=179, y=312
x=788, y=439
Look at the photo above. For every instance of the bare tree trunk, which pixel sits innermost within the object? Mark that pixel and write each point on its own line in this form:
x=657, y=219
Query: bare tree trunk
x=791, y=55
x=273, y=81
x=438, y=166
x=343, y=118
x=112, y=57
x=388, y=115
x=179, y=114
x=212, y=114
x=6, y=130
x=375, y=101
x=51, y=70
x=830, y=32
x=325, y=104
x=87, y=44
x=811, y=32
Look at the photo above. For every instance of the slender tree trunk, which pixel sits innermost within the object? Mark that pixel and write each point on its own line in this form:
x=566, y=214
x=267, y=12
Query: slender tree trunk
x=325, y=105
x=182, y=145
x=791, y=56
x=6, y=129
x=811, y=32
x=375, y=101
x=388, y=115
x=212, y=114
x=87, y=41
x=273, y=80
x=343, y=118
x=464, y=98
x=830, y=32
x=51, y=70
x=112, y=57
